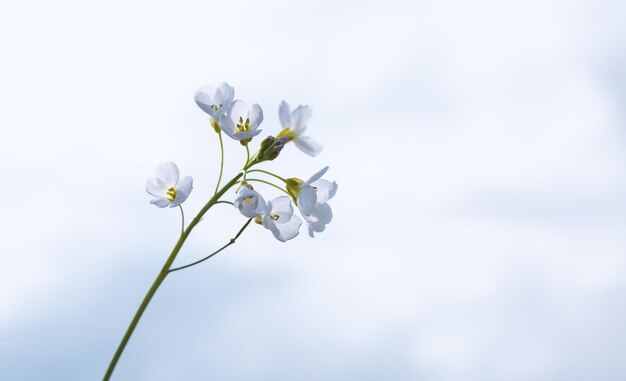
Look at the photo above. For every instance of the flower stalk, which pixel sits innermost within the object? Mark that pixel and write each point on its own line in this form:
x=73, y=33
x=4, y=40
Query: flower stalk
x=163, y=274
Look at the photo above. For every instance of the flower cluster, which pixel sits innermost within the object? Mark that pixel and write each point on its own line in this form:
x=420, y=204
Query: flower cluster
x=241, y=122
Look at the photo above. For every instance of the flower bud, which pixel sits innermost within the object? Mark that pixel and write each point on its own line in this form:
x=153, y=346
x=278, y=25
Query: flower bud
x=271, y=147
x=266, y=143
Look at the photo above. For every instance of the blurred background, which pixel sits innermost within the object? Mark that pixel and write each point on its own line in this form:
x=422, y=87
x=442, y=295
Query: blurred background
x=479, y=226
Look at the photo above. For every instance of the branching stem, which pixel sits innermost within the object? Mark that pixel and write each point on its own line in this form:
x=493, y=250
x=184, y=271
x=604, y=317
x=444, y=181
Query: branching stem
x=232, y=240
x=268, y=183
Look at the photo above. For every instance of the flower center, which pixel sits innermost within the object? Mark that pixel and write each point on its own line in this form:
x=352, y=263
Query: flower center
x=216, y=107
x=289, y=133
x=171, y=194
x=243, y=126
x=248, y=201
x=274, y=217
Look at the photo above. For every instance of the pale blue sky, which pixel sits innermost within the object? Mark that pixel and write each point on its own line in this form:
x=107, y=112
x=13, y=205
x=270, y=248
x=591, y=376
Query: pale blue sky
x=479, y=223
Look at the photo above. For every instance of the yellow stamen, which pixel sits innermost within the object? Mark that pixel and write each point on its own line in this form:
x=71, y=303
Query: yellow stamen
x=171, y=194
x=243, y=126
x=247, y=201
x=216, y=107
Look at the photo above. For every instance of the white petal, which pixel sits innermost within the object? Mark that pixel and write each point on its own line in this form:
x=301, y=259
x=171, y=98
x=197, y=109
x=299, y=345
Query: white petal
x=238, y=109
x=267, y=221
x=306, y=200
x=203, y=97
x=260, y=209
x=168, y=173
x=281, y=207
x=308, y=145
x=156, y=187
x=301, y=118
x=325, y=190
x=245, y=135
x=321, y=216
x=227, y=126
x=268, y=208
x=318, y=175
x=227, y=94
x=256, y=116
x=286, y=231
x=185, y=185
x=161, y=202
x=284, y=114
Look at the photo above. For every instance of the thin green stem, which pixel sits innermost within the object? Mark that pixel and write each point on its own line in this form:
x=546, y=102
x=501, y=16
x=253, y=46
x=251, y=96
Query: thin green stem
x=247, y=156
x=268, y=173
x=182, y=215
x=232, y=240
x=163, y=273
x=225, y=202
x=219, y=179
x=268, y=183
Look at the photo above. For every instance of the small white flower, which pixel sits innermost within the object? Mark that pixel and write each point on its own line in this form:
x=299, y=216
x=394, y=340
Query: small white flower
x=250, y=203
x=166, y=187
x=214, y=101
x=322, y=214
x=241, y=122
x=280, y=220
x=295, y=124
x=304, y=192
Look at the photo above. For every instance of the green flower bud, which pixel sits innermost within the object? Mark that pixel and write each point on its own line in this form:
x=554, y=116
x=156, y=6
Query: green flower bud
x=266, y=143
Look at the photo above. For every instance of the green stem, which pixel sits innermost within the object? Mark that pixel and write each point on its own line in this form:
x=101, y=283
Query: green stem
x=182, y=215
x=268, y=173
x=164, y=271
x=232, y=240
x=219, y=179
x=247, y=156
x=268, y=183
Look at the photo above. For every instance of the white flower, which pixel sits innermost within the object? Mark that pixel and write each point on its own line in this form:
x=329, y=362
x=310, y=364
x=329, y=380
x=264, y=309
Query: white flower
x=241, y=122
x=295, y=124
x=166, y=187
x=214, y=101
x=250, y=203
x=304, y=192
x=280, y=220
x=322, y=214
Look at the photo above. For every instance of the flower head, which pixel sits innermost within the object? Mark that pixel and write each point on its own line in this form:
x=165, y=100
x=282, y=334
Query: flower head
x=304, y=193
x=167, y=188
x=214, y=101
x=250, y=203
x=295, y=124
x=241, y=121
x=280, y=220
